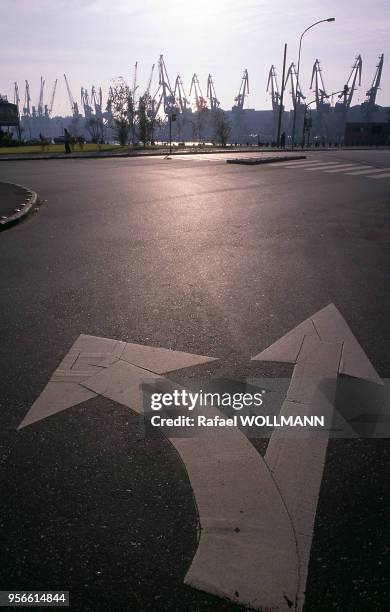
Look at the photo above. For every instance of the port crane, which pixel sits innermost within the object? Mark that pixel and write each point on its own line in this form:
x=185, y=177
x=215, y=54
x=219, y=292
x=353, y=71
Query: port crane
x=40, y=108
x=149, y=83
x=16, y=95
x=354, y=80
x=164, y=94
x=179, y=95
x=49, y=108
x=195, y=89
x=211, y=95
x=296, y=91
x=273, y=89
x=27, y=100
x=369, y=104
x=243, y=91
x=317, y=85
x=321, y=99
x=97, y=100
x=85, y=103
x=344, y=102
x=73, y=105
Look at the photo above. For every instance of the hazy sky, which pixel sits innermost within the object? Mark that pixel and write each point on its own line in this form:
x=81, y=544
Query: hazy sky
x=93, y=41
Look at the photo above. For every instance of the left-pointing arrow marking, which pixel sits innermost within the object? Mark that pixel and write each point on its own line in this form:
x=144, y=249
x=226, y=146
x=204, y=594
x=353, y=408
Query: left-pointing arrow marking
x=322, y=347
x=101, y=366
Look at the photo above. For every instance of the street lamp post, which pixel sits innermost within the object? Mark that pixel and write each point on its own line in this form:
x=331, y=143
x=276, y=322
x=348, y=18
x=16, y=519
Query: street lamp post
x=299, y=65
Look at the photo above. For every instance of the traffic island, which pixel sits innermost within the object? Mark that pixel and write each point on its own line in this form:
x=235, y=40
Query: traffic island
x=16, y=202
x=254, y=161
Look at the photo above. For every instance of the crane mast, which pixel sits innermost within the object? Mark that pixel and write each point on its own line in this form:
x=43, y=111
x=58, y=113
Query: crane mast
x=243, y=91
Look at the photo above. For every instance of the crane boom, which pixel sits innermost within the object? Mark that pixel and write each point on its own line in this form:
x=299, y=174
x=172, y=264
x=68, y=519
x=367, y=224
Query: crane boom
x=149, y=83
x=40, y=101
x=73, y=105
x=53, y=94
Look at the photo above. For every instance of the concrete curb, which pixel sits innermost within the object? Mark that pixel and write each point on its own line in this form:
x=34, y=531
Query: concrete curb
x=255, y=161
x=26, y=208
x=140, y=155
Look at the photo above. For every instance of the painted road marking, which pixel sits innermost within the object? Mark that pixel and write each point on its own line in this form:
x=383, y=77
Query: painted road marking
x=362, y=170
x=304, y=166
x=256, y=515
x=322, y=347
x=324, y=166
x=236, y=497
x=94, y=361
x=343, y=168
x=295, y=164
x=380, y=176
x=373, y=171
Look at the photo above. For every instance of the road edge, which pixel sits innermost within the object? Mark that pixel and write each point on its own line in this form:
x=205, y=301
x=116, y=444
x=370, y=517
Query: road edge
x=256, y=161
x=26, y=210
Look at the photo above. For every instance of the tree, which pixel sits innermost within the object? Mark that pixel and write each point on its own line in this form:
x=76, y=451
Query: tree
x=120, y=106
x=201, y=117
x=145, y=120
x=94, y=127
x=222, y=127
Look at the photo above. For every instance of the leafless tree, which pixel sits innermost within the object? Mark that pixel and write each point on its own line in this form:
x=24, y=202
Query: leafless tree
x=222, y=127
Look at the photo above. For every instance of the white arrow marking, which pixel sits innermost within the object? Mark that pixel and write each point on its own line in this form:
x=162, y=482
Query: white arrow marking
x=238, y=556
x=321, y=348
x=94, y=361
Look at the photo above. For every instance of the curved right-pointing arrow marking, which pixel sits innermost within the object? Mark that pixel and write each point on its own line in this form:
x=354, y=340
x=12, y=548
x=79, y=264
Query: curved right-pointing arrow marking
x=322, y=347
x=238, y=555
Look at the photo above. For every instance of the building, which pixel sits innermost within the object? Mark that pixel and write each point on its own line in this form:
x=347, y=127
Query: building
x=367, y=134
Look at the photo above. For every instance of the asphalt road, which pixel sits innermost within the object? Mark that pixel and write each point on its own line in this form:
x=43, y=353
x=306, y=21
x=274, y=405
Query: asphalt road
x=199, y=256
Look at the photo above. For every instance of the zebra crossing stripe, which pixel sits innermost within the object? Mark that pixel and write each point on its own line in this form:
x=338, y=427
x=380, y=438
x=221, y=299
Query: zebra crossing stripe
x=343, y=168
x=381, y=176
x=362, y=170
x=327, y=166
